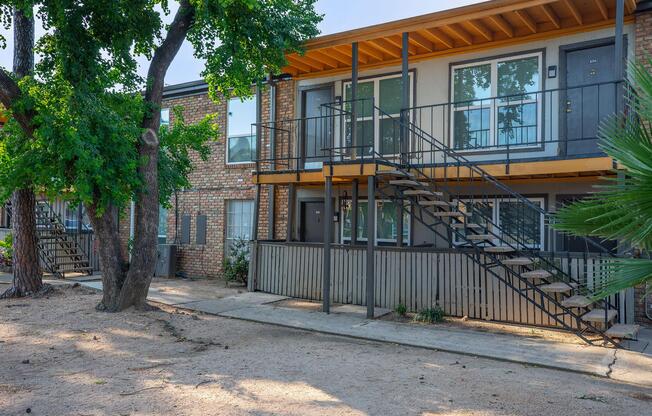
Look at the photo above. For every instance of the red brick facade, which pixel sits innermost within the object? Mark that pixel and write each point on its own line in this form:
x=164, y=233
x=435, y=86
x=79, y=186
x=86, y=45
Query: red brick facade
x=214, y=183
x=643, y=54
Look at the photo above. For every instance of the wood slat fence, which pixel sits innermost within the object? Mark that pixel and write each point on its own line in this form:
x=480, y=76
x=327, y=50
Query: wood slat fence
x=415, y=277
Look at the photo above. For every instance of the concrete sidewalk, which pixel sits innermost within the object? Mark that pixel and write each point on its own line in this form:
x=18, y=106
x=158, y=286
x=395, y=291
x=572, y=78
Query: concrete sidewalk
x=350, y=321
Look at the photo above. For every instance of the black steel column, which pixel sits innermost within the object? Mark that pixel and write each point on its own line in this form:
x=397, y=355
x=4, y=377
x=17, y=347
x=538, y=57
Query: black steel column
x=252, y=278
x=328, y=228
x=371, y=242
x=354, y=212
x=354, y=96
x=399, y=222
x=405, y=101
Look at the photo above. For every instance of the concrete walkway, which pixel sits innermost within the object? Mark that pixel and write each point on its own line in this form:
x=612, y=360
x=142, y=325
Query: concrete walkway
x=350, y=321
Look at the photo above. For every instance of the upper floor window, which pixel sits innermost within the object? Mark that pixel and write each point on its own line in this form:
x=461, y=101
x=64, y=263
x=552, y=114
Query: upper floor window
x=241, y=138
x=165, y=117
x=377, y=128
x=497, y=103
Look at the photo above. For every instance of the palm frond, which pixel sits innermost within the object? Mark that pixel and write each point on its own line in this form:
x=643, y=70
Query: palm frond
x=619, y=274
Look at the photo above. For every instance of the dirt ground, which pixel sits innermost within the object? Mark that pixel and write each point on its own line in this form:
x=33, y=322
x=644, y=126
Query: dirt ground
x=58, y=356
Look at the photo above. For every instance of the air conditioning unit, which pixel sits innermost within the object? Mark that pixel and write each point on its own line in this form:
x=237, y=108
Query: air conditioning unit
x=166, y=262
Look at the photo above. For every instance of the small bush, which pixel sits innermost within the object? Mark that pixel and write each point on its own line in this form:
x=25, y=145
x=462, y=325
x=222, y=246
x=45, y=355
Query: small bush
x=430, y=315
x=6, y=250
x=400, y=309
x=236, y=263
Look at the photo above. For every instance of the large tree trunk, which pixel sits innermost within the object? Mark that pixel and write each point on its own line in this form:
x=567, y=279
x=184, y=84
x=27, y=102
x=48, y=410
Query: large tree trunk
x=120, y=291
x=114, y=266
x=26, y=266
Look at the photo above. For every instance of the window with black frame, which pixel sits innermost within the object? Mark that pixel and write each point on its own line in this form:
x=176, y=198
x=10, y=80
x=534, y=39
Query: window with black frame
x=497, y=103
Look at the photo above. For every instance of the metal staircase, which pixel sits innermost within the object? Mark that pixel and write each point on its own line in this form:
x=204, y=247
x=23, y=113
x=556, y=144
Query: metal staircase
x=60, y=252
x=431, y=182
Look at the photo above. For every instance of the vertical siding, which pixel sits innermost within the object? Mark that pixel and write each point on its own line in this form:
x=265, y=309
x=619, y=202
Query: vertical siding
x=416, y=278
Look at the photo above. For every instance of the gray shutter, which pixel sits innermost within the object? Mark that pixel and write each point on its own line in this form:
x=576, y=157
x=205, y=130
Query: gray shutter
x=201, y=229
x=185, y=229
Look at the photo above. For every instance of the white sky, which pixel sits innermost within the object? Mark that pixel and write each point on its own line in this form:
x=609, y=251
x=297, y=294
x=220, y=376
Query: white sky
x=340, y=15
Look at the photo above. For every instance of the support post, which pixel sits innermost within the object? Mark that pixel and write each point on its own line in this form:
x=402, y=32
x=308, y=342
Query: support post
x=371, y=242
x=354, y=212
x=271, y=203
x=354, y=96
x=405, y=98
x=291, y=198
x=328, y=228
x=253, y=252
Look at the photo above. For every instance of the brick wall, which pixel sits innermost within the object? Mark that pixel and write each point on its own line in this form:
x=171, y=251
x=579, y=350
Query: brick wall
x=643, y=53
x=214, y=183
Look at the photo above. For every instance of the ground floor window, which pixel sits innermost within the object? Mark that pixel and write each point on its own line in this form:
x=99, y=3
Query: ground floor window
x=386, y=221
x=239, y=221
x=162, y=225
x=510, y=219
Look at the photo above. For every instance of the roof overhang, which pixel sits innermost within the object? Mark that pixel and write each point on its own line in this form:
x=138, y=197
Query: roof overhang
x=479, y=26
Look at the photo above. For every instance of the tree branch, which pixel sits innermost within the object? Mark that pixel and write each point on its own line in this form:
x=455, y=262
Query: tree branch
x=163, y=57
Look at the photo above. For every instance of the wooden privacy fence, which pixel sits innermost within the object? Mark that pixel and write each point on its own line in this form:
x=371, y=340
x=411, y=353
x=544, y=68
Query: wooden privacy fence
x=418, y=278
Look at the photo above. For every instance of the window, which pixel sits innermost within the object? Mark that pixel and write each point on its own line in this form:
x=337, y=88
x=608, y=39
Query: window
x=162, y=225
x=495, y=103
x=512, y=218
x=239, y=221
x=72, y=218
x=386, y=222
x=165, y=117
x=377, y=129
x=241, y=139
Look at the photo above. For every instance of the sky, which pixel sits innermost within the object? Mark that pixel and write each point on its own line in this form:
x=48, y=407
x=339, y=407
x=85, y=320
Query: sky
x=339, y=15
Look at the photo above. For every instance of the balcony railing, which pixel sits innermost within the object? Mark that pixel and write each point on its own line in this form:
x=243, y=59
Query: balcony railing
x=557, y=123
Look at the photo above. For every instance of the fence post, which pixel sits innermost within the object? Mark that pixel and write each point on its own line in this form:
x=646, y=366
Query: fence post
x=328, y=227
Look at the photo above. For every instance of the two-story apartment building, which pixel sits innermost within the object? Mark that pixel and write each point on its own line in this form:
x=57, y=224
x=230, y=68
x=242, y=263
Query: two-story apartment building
x=422, y=158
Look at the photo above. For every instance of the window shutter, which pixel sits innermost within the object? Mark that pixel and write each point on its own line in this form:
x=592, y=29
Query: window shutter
x=185, y=229
x=201, y=229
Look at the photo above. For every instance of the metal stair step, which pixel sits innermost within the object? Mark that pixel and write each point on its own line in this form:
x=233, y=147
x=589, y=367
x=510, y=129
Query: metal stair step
x=395, y=173
x=72, y=263
x=536, y=274
x=499, y=249
x=407, y=182
x=448, y=214
x=471, y=226
x=475, y=237
x=598, y=315
x=558, y=287
x=518, y=261
x=623, y=331
x=434, y=203
x=577, y=301
x=421, y=192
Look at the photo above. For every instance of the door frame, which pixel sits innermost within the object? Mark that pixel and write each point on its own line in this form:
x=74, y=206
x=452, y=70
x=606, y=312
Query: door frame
x=301, y=145
x=302, y=214
x=563, y=51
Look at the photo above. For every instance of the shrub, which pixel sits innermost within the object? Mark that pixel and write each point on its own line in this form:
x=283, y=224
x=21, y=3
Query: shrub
x=400, y=309
x=236, y=263
x=430, y=315
x=6, y=250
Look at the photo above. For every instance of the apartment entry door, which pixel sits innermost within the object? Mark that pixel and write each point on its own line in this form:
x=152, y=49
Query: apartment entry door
x=317, y=127
x=590, y=96
x=312, y=221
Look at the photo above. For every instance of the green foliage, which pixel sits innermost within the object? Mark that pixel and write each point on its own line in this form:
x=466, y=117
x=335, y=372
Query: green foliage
x=6, y=250
x=430, y=315
x=621, y=209
x=86, y=92
x=253, y=38
x=236, y=264
x=400, y=309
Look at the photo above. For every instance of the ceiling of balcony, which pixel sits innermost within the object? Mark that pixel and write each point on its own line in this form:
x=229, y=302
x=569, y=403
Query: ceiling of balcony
x=479, y=26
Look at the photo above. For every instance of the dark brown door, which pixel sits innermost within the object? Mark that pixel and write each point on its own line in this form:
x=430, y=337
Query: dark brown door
x=312, y=221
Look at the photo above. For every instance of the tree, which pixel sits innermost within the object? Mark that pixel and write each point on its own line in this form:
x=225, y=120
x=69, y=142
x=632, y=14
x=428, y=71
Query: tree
x=621, y=209
x=100, y=141
x=27, y=273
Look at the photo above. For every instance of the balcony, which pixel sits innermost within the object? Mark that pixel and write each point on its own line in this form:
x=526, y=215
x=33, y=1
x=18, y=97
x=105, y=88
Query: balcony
x=507, y=135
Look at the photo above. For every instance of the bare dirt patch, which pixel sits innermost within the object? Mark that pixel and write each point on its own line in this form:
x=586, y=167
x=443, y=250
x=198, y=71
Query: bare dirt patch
x=58, y=356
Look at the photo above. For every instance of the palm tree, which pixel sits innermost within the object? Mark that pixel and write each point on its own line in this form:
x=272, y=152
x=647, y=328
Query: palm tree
x=621, y=208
